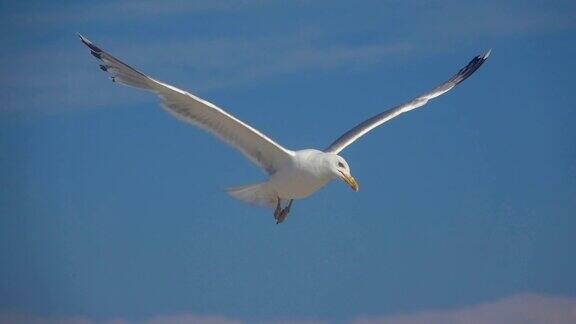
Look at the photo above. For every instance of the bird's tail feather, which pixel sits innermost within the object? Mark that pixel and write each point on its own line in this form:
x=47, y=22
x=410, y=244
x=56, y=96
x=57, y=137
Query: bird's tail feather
x=259, y=194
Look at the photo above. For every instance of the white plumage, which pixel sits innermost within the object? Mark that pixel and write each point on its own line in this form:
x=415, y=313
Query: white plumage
x=292, y=174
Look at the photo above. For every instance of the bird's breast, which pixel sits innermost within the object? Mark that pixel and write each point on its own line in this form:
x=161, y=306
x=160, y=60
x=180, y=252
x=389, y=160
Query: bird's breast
x=297, y=182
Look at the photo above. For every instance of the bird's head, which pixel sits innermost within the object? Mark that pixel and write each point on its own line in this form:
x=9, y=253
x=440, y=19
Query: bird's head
x=340, y=169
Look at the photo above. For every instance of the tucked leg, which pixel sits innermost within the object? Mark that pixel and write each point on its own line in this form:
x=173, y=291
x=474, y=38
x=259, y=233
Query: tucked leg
x=287, y=209
x=284, y=212
x=277, y=210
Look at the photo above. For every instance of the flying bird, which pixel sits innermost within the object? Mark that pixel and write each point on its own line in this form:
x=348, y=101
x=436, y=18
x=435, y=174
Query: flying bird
x=291, y=174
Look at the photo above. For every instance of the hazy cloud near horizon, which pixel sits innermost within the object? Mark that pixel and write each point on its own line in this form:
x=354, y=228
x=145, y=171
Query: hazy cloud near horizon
x=517, y=309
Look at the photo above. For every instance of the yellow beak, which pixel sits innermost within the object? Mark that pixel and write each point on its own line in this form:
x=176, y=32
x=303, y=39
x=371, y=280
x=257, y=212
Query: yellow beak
x=350, y=181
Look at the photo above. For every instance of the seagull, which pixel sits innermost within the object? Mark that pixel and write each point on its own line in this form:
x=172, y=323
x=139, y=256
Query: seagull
x=291, y=174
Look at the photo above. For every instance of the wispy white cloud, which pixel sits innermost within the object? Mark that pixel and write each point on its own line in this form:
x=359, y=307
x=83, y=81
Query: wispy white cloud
x=57, y=76
x=446, y=17
x=516, y=309
x=456, y=19
x=54, y=79
x=123, y=11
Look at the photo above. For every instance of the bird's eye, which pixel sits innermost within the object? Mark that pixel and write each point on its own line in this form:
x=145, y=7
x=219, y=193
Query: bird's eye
x=340, y=164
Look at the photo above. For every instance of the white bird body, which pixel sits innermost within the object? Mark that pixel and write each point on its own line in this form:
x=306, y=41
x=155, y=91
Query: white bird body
x=302, y=176
x=292, y=174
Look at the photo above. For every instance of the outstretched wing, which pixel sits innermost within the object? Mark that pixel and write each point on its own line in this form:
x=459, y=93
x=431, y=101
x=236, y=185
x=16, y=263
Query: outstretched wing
x=254, y=145
x=369, y=124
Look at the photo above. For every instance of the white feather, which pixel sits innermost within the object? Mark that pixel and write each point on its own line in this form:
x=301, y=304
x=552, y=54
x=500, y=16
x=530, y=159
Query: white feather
x=253, y=144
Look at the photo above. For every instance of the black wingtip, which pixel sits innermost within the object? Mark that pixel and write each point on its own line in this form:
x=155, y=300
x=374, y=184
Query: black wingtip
x=472, y=66
x=94, y=48
x=96, y=55
x=84, y=40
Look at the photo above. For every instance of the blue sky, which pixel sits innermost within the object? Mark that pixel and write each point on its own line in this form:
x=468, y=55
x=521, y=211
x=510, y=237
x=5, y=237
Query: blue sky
x=112, y=209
